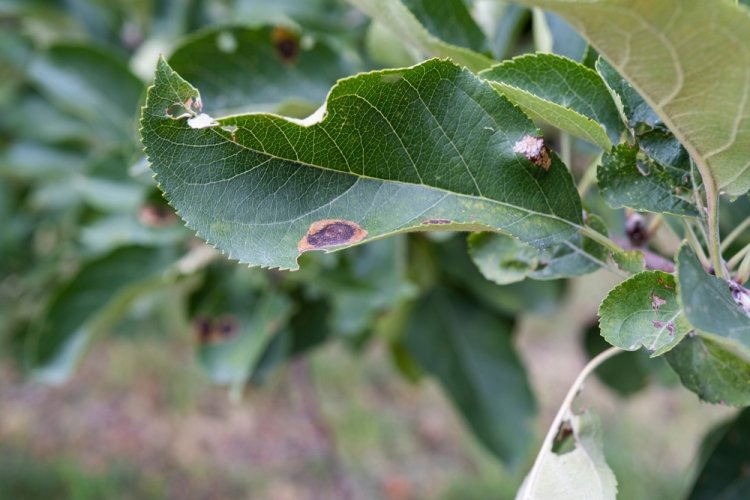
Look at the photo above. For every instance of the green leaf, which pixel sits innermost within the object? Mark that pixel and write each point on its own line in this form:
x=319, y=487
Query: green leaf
x=395, y=15
x=91, y=84
x=580, y=474
x=643, y=311
x=700, y=90
x=631, y=261
x=709, y=305
x=724, y=475
x=428, y=147
x=709, y=369
x=561, y=92
x=625, y=180
x=450, y=21
x=284, y=72
x=503, y=259
x=636, y=111
x=98, y=294
x=470, y=352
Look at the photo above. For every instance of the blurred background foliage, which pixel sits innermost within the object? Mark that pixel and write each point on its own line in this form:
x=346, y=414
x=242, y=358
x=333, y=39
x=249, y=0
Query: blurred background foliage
x=101, y=283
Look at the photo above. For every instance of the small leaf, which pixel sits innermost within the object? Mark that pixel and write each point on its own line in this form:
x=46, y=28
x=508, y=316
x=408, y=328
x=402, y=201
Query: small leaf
x=630, y=261
x=428, y=147
x=395, y=15
x=218, y=61
x=561, y=92
x=636, y=110
x=643, y=311
x=625, y=180
x=503, y=259
x=470, y=352
x=724, y=475
x=713, y=372
x=581, y=474
x=708, y=303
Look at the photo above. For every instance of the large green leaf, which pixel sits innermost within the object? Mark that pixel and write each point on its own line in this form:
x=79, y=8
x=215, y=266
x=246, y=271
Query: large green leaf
x=561, y=92
x=92, y=300
x=258, y=69
x=470, y=351
x=712, y=371
x=724, y=475
x=690, y=60
x=580, y=474
x=395, y=15
x=643, y=311
x=426, y=147
x=709, y=305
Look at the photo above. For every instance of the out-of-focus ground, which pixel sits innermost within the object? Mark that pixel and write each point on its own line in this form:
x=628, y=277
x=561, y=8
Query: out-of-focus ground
x=139, y=420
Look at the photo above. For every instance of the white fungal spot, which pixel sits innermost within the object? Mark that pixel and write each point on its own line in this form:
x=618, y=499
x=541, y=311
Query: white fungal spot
x=534, y=149
x=202, y=121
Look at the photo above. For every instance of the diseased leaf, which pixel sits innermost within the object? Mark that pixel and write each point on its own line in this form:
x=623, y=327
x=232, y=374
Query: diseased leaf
x=561, y=92
x=395, y=15
x=470, y=352
x=98, y=294
x=724, y=474
x=240, y=70
x=699, y=90
x=708, y=303
x=640, y=183
x=712, y=371
x=580, y=474
x=428, y=147
x=643, y=311
x=503, y=259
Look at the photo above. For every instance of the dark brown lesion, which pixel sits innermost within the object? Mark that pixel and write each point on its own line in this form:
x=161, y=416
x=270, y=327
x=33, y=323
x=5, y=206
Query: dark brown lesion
x=328, y=233
x=286, y=44
x=212, y=330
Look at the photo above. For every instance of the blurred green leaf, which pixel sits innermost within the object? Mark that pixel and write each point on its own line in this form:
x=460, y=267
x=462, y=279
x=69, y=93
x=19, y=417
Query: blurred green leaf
x=287, y=69
x=561, y=92
x=724, y=473
x=396, y=16
x=93, y=85
x=643, y=311
x=469, y=351
x=637, y=111
x=90, y=302
x=710, y=370
x=450, y=21
x=391, y=140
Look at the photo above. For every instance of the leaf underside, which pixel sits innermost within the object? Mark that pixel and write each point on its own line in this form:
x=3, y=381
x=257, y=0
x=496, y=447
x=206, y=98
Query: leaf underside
x=427, y=147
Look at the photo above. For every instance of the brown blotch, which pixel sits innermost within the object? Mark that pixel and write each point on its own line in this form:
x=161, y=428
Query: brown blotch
x=533, y=148
x=437, y=221
x=226, y=327
x=657, y=302
x=328, y=233
x=202, y=327
x=286, y=44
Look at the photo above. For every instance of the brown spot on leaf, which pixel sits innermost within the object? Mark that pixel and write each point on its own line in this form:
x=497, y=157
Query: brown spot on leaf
x=657, y=324
x=226, y=327
x=534, y=149
x=657, y=302
x=202, y=328
x=328, y=233
x=286, y=44
x=437, y=221
x=210, y=330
